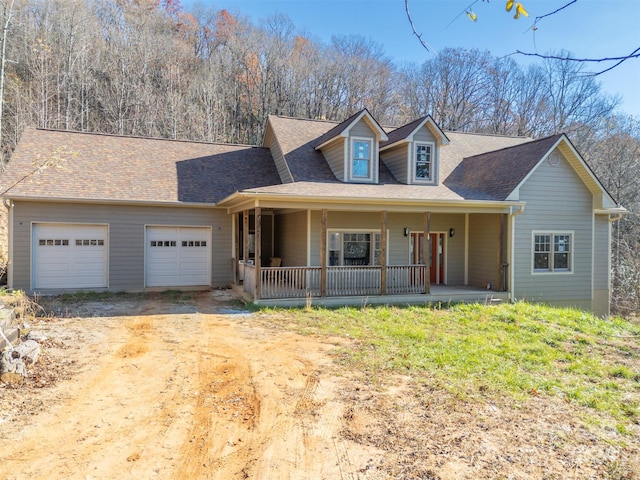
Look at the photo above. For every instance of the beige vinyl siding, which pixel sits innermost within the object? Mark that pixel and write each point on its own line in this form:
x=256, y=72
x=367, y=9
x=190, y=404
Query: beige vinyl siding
x=397, y=161
x=556, y=201
x=602, y=265
x=334, y=155
x=484, y=250
x=126, y=237
x=398, y=247
x=425, y=135
x=291, y=238
x=361, y=129
x=272, y=143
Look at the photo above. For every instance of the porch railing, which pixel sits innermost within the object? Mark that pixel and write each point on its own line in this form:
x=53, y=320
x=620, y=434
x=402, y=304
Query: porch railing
x=300, y=282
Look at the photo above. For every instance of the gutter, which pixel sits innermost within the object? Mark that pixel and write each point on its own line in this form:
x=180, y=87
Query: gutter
x=615, y=218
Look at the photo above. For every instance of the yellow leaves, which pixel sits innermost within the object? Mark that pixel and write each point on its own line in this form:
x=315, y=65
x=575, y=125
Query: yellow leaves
x=519, y=9
x=472, y=16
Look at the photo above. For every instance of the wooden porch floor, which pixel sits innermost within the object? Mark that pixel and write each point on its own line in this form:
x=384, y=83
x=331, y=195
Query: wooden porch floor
x=439, y=294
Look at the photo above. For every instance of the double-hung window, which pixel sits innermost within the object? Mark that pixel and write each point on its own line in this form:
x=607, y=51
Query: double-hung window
x=424, y=162
x=361, y=155
x=354, y=248
x=552, y=252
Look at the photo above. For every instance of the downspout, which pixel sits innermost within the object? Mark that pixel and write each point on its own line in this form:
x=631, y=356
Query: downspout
x=512, y=217
x=9, y=206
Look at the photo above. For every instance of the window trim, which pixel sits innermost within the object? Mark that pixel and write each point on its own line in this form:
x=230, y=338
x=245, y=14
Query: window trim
x=553, y=234
x=414, y=162
x=342, y=231
x=372, y=155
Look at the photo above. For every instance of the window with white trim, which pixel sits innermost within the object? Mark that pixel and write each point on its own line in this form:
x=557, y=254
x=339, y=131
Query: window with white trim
x=354, y=248
x=552, y=252
x=423, y=162
x=361, y=156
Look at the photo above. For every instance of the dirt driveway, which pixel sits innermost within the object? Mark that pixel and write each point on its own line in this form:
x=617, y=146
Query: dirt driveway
x=194, y=387
x=180, y=391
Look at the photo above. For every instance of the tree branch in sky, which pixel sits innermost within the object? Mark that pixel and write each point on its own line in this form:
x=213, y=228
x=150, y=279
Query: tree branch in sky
x=510, y=3
x=634, y=54
x=419, y=35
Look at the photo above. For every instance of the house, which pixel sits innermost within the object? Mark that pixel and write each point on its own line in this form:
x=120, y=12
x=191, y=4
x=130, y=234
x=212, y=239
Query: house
x=334, y=212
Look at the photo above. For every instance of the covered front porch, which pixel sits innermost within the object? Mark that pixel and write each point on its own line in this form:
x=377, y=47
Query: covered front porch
x=402, y=284
x=341, y=256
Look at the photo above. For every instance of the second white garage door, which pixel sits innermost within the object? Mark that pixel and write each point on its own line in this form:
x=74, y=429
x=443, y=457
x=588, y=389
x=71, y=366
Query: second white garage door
x=178, y=256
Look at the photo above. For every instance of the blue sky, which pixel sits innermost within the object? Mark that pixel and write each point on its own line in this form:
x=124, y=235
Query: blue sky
x=588, y=29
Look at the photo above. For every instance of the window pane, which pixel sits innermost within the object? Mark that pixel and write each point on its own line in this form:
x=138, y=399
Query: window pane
x=423, y=170
x=542, y=248
x=361, y=150
x=561, y=261
x=423, y=162
x=361, y=158
x=357, y=249
x=561, y=249
x=334, y=241
x=361, y=168
x=541, y=261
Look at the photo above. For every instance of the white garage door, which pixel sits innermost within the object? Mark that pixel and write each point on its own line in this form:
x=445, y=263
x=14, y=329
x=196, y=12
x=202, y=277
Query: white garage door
x=178, y=256
x=69, y=256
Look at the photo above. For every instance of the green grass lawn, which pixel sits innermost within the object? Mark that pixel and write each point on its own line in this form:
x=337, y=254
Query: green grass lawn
x=509, y=350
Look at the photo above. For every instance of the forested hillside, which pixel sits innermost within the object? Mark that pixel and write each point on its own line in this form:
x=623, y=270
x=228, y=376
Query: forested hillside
x=155, y=68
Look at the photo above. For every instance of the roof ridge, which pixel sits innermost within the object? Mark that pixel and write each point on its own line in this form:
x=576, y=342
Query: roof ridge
x=480, y=134
x=139, y=137
x=519, y=145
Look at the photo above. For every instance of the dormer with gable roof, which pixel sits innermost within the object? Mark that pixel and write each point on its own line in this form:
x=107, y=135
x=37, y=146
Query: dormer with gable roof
x=412, y=152
x=352, y=148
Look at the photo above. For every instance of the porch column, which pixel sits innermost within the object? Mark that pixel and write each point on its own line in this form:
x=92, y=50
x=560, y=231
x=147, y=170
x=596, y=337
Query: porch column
x=235, y=230
x=383, y=253
x=425, y=252
x=258, y=250
x=323, y=254
x=245, y=235
x=502, y=273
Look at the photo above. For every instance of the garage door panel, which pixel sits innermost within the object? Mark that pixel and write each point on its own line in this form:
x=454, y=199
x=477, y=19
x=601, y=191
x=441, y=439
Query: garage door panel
x=69, y=256
x=177, y=256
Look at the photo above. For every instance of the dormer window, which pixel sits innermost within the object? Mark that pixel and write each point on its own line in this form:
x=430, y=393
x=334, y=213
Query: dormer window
x=361, y=156
x=424, y=162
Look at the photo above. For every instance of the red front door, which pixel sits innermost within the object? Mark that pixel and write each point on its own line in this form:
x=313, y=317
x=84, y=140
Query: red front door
x=436, y=254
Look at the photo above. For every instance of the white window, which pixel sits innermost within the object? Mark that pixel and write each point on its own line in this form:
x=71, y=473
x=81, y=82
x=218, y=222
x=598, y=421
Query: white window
x=354, y=248
x=552, y=252
x=361, y=156
x=424, y=161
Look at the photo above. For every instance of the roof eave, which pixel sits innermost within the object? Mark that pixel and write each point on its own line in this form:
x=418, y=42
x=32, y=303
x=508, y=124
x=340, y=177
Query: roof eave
x=255, y=198
x=109, y=201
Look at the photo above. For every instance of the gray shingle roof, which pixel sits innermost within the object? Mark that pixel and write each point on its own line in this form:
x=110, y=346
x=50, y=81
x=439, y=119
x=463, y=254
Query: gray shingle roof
x=107, y=167
x=313, y=177
x=497, y=173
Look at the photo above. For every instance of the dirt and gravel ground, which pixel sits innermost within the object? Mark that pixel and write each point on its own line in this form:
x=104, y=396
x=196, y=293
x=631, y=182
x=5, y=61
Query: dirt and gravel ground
x=147, y=387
